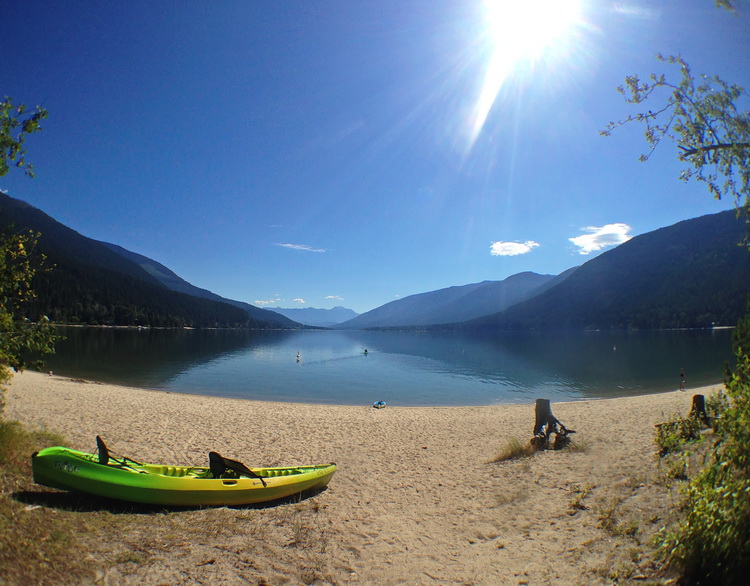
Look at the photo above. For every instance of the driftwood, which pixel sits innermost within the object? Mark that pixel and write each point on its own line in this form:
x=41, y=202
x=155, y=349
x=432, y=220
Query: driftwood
x=545, y=425
x=699, y=409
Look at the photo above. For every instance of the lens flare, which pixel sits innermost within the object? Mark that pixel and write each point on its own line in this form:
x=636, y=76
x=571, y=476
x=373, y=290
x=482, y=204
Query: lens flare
x=520, y=33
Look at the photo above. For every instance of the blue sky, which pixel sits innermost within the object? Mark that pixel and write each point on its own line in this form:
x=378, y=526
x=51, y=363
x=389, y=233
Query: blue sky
x=350, y=153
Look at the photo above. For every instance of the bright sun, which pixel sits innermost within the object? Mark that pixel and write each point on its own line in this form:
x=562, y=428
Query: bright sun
x=521, y=31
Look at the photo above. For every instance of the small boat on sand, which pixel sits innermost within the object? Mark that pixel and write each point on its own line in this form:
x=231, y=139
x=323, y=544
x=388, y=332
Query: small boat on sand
x=223, y=482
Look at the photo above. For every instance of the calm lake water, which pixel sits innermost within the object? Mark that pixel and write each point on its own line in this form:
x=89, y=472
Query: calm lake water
x=401, y=368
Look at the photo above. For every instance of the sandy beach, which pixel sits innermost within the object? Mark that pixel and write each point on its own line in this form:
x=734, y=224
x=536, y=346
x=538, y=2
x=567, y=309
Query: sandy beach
x=416, y=499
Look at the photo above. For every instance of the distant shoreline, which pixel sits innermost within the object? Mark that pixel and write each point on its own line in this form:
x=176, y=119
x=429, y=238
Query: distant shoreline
x=386, y=329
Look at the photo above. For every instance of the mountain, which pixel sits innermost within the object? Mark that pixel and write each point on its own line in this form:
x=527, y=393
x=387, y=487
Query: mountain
x=321, y=318
x=64, y=243
x=690, y=275
x=92, y=283
x=452, y=304
x=175, y=283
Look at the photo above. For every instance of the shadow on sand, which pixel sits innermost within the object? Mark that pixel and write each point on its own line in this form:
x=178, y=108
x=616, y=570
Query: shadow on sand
x=84, y=503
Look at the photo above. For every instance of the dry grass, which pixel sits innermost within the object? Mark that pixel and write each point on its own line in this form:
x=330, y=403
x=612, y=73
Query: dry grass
x=512, y=450
x=579, y=445
x=45, y=540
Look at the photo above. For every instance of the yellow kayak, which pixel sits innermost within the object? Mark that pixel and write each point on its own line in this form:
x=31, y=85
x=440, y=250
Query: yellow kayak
x=224, y=482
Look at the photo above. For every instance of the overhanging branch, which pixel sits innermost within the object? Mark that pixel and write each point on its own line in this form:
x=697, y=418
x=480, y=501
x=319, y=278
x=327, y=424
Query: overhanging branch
x=686, y=152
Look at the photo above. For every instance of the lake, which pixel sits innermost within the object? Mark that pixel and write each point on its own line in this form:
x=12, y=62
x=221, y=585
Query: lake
x=400, y=368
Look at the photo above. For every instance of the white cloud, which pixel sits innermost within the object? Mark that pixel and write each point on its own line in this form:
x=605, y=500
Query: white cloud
x=263, y=302
x=5, y=191
x=299, y=300
x=637, y=12
x=512, y=248
x=601, y=237
x=304, y=247
x=336, y=297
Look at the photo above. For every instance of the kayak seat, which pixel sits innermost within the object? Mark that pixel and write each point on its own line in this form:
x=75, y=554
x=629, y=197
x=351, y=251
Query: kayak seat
x=105, y=456
x=220, y=466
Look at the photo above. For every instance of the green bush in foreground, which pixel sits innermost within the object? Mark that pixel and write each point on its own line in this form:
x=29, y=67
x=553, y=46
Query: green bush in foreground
x=712, y=543
x=674, y=433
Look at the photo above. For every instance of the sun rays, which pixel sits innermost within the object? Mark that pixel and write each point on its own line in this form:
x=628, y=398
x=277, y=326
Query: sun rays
x=520, y=34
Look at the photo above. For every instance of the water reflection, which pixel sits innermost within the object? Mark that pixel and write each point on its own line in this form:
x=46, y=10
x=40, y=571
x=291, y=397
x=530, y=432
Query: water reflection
x=146, y=357
x=406, y=368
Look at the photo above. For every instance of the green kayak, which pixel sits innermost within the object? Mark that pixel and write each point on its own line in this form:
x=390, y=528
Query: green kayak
x=223, y=482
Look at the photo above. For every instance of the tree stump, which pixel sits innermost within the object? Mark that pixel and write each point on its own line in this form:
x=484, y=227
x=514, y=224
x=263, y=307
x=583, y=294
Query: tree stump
x=545, y=425
x=699, y=409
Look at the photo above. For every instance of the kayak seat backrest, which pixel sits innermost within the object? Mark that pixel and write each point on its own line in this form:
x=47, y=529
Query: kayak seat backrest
x=216, y=464
x=219, y=465
x=103, y=451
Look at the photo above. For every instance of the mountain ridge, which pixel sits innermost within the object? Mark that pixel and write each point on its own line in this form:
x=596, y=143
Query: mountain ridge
x=457, y=303
x=690, y=274
x=312, y=316
x=172, y=281
x=90, y=282
x=693, y=274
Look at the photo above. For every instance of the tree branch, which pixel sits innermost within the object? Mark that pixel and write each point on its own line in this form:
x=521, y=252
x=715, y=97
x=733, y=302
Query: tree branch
x=686, y=152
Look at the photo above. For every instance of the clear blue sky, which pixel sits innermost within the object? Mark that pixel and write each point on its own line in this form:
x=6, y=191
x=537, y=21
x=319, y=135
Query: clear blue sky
x=351, y=153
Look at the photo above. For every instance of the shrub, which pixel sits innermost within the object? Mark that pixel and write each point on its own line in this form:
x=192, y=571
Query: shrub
x=676, y=432
x=712, y=543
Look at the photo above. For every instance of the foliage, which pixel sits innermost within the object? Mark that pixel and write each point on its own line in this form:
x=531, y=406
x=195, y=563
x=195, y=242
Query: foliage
x=712, y=542
x=716, y=406
x=703, y=117
x=18, y=264
x=14, y=129
x=728, y=4
x=19, y=335
x=674, y=433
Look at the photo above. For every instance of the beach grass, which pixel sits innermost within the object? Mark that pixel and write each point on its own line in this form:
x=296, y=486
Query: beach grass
x=513, y=450
x=37, y=545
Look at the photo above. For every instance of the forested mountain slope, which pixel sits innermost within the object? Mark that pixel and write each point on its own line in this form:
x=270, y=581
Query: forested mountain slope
x=451, y=304
x=87, y=282
x=690, y=275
